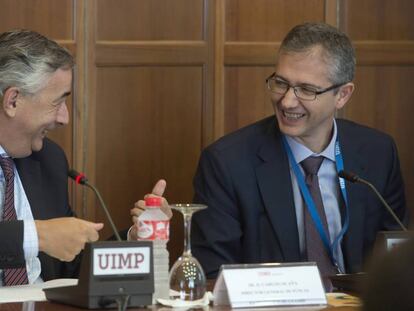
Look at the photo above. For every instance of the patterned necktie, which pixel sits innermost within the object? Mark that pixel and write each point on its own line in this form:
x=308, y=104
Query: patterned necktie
x=17, y=276
x=315, y=248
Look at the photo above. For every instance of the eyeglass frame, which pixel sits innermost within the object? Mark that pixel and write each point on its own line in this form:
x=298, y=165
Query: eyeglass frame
x=330, y=88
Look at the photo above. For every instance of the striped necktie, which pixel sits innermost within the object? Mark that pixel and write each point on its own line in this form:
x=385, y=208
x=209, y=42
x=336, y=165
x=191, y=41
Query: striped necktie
x=315, y=248
x=15, y=276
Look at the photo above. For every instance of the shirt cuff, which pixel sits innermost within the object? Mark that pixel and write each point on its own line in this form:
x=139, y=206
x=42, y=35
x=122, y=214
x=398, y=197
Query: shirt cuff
x=30, y=239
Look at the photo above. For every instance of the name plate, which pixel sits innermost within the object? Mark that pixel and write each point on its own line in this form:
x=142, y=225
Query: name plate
x=109, y=272
x=263, y=285
x=124, y=260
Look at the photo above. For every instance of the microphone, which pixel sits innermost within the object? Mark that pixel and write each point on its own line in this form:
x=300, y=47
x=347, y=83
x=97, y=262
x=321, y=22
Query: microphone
x=354, y=178
x=80, y=178
x=125, y=270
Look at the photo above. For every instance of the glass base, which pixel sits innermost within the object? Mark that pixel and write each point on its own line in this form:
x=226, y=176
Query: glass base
x=187, y=279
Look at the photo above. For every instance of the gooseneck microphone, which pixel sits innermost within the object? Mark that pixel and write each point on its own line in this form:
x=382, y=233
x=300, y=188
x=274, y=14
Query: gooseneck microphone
x=80, y=178
x=354, y=178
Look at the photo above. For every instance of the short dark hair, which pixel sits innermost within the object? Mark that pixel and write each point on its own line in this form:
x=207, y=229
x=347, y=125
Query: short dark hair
x=337, y=48
x=27, y=59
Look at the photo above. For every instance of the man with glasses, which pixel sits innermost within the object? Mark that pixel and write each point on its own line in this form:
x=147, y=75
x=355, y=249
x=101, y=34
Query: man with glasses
x=272, y=188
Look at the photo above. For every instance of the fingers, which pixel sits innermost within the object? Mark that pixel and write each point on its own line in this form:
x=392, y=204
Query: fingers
x=135, y=212
x=140, y=204
x=91, y=230
x=159, y=188
x=158, y=191
x=64, y=238
x=98, y=226
x=165, y=208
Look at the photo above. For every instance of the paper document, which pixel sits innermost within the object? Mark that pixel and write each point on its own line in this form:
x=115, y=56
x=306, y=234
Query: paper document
x=33, y=292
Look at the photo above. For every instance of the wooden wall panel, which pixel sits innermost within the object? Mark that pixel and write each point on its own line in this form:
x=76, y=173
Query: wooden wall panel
x=378, y=19
x=383, y=34
x=247, y=100
x=148, y=127
x=268, y=20
x=150, y=59
x=383, y=100
x=49, y=17
x=150, y=20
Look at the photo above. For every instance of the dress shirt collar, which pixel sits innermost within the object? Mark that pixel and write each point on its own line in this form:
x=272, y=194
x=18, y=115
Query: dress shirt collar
x=3, y=152
x=301, y=152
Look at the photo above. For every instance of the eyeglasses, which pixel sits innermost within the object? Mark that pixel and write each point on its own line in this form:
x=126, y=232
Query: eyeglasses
x=278, y=86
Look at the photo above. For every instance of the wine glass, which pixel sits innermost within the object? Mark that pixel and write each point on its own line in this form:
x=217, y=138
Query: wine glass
x=187, y=278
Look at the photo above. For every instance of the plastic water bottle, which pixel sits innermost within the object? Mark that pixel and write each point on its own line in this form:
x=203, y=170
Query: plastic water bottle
x=154, y=225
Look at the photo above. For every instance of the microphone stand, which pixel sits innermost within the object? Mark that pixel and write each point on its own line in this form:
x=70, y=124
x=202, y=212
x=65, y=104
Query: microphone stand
x=108, y=216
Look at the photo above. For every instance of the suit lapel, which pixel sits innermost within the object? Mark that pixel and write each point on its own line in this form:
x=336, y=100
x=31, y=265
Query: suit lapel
x=353, y=162
x=30, y=175
x=275, y=185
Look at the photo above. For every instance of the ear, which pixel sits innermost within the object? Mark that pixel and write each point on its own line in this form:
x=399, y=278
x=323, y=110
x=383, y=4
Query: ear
x=344, y=94
x=10, y=101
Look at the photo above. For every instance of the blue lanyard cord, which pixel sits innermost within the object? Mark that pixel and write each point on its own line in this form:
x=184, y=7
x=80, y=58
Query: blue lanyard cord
x=310, y=204
x=339, y=167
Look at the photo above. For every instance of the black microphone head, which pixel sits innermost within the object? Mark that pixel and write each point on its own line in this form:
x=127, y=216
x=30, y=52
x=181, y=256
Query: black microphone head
x=349, y=176
x=79, y=178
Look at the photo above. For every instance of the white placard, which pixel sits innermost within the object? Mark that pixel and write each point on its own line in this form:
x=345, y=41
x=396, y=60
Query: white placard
x=269, y=285
x=122, y=260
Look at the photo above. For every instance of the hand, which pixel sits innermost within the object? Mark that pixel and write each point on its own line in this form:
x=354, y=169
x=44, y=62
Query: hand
x=64, y=238
x=139, y=207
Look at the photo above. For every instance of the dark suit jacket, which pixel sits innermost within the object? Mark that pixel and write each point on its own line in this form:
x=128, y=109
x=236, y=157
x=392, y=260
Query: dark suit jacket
x=244, y=179
x=45, y=181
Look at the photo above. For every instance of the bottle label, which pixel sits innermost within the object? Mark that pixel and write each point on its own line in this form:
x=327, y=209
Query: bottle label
x=154, y=229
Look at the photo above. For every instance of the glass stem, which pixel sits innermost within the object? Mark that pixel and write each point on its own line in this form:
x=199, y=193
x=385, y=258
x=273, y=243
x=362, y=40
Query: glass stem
x=187, y=233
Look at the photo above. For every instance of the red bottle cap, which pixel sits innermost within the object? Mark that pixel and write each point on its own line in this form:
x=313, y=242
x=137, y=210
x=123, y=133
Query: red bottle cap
x=153, y=201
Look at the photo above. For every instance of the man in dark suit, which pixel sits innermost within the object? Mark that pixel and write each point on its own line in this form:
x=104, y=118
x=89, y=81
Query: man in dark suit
x=40, y=238
x=264, y=203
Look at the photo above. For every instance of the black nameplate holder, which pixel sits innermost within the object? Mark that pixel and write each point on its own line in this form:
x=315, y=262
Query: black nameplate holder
x=111, y=273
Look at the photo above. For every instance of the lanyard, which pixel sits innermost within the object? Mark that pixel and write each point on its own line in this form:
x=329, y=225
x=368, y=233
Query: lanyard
x=310, y=204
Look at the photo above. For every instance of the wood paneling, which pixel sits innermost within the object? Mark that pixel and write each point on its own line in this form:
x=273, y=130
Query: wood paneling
x=248, y=100
x=383, y=100
x=148, y=126
x=150, y=20
x=51, y=18
x=268, y=20
x=250, y=53
x=385, y=52
x=378, y=19
x=150, y=53
x=383, y=34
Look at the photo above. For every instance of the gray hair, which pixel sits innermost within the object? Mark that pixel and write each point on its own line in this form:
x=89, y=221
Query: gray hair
x=336, y=46
x=27, y=60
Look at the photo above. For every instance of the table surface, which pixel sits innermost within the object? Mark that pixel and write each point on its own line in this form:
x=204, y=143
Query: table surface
x=50, y=306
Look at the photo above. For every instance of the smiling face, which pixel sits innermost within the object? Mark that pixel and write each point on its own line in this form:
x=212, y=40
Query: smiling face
x=35, y=115
x=308, y=122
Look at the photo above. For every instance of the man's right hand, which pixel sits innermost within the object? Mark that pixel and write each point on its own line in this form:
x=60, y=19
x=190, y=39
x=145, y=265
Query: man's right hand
x=140, y=207
x=64, y=238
